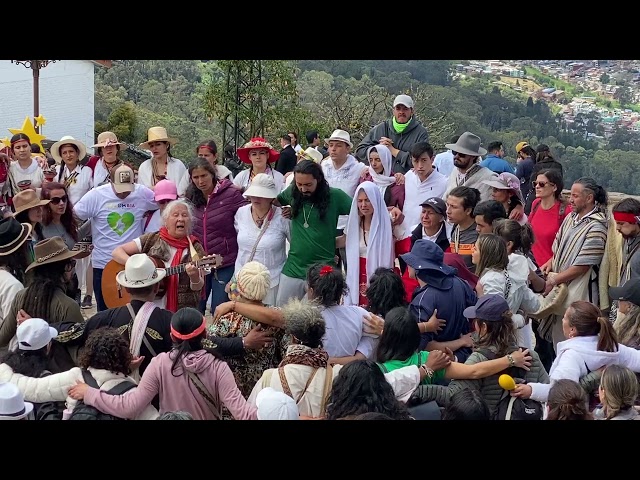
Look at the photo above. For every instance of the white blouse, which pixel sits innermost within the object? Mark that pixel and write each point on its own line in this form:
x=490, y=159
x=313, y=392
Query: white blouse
x=175, y=171
x=271, y=250
x=79, y=185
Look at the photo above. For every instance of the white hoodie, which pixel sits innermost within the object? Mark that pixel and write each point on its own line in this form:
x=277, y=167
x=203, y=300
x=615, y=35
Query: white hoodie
x=579, y=353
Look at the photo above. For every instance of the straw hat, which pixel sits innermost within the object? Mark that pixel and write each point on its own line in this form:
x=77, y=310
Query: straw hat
x=67, y=140
x=310, y=154
x=106, y=139
x=27, y=199
x=51, y=250
x=158, y=134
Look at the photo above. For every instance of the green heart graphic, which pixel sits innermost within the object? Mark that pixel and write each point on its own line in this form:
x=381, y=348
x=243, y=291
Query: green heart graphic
x=120, y=223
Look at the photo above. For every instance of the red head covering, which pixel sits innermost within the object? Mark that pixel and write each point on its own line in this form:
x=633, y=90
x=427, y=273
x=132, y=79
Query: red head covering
x=456, y=261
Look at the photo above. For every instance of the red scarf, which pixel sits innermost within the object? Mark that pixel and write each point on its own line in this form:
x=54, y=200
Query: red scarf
x=172, y=280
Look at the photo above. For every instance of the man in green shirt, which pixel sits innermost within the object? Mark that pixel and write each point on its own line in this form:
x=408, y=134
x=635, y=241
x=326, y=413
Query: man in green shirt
x=314, y=208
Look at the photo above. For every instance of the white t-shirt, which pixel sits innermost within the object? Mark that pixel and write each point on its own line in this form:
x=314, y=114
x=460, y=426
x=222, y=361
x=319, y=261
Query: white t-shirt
x=100, y=173
x=175, y=171
x=242, y=179
x=271, y=250
x=343, y=335
x=114, y=221
x=444, y=163
x=416, y=192
x=346, y=178
x=154, y=223
x=33, y=172
x=81, y=183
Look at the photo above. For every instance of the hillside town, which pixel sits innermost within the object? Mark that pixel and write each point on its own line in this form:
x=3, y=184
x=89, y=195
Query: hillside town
x=597, y=86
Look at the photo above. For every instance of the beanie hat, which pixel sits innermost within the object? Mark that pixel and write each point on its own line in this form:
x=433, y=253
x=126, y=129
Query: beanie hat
x=254, y=281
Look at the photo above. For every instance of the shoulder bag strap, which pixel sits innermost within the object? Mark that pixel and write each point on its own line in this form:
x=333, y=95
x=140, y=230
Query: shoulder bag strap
x=285, y=384
x=145, y=340
x=204, y=391
x=264, y=229
x=328, y=381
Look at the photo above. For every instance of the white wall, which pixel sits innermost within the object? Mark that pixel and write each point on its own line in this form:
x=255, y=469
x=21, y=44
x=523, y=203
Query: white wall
x=66, y=99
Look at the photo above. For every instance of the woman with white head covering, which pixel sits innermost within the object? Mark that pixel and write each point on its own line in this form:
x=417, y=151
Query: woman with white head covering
x=369, y=240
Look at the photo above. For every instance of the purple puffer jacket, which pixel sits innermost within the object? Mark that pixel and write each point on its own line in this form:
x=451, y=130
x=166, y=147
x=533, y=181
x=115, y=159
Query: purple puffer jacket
x=213, y=224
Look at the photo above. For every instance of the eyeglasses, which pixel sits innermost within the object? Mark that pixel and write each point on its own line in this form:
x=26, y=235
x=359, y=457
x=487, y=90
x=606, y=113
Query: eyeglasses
x=57, y=200
x=541, y=184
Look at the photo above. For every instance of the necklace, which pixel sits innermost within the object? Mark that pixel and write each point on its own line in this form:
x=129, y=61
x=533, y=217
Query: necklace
x=306, y=217
x=259, y=219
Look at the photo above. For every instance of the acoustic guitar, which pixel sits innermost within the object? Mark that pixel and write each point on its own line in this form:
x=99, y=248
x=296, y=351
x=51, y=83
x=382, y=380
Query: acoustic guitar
x=115, y=295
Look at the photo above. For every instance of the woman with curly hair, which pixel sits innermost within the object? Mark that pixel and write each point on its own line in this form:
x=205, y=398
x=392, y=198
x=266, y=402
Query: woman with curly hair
x=568, y=401
x=361, y=387
x=190, y=378
x=105, y=356
x=385, y=291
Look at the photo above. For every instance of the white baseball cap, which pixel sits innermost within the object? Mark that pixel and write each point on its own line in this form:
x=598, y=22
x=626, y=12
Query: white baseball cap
x=405, y=100
x=274, y=405
x=34, y=334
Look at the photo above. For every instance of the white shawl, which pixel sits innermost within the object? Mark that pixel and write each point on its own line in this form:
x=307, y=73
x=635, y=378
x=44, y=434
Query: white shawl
x=380, y=251
x=385, y=179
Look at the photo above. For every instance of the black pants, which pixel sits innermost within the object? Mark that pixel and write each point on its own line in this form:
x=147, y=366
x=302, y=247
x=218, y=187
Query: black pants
x=544, y=349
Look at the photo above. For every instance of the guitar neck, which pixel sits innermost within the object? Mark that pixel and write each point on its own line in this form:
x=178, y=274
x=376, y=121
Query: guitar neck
x=177, y=269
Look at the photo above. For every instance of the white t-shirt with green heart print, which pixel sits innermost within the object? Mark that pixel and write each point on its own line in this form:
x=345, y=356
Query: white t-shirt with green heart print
x=114, y=221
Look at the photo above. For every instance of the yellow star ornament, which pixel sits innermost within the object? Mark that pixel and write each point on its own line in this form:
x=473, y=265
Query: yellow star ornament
x=6, y=142
x=40, y=120
x=30, y=131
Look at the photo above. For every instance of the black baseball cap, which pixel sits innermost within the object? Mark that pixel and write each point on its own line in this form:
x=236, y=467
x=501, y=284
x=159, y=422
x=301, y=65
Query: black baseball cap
x=629, y=292
x=437, y=204
x=489, y=308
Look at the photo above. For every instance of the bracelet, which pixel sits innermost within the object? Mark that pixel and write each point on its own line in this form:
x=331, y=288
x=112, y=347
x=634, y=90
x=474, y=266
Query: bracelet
x=426, y=370
x=512, y=362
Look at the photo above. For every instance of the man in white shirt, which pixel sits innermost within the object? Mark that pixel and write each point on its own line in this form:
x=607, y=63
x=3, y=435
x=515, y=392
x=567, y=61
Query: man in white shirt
x=443, y=162
x=116, y=210
x=342, y=170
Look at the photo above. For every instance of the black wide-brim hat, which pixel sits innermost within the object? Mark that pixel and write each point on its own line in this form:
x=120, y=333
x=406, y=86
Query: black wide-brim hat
x=12, y=235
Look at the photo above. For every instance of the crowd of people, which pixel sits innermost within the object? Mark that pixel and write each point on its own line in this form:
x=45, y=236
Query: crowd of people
x=377, y=281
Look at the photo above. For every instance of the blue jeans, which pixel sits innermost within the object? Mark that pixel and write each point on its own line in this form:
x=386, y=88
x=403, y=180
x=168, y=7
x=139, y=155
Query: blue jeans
x=97, y=289
x=216, y=289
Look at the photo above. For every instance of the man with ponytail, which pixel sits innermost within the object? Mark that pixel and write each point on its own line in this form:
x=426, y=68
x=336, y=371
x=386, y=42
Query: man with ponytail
x=578, y=250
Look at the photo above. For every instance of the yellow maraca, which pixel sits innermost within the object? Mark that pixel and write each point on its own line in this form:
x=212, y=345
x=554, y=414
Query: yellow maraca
x=507, y=382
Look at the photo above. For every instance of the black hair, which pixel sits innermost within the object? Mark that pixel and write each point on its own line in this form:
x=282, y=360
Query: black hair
x=319, y=198
x=511, y=231
x=193, y=193
x=19, y=136
x=400, y=337
x=17, y=262
x=361, y=387
x=494, y=146
x=600, y=196
x=106, y=349
x=328, y=288
x=23, y=217
x=490, y=210
x=467, y=404
x=311, y=135
x=286, y=138
x=555, y=177
x=35, y=148
x=210, y=144
x=470, y=196
x=627, y=205
x=372, y=416
x=421, y=147
x=385, y=291
x=30, y=363
x=185, y=321
x=42, y=282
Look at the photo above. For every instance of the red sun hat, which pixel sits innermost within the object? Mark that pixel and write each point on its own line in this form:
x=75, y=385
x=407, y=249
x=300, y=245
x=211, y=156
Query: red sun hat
x=254, y=143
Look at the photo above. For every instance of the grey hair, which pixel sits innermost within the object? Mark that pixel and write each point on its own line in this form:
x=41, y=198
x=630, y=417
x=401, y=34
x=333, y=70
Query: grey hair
x=304, y=321
x=176, y=415
x=174, y=203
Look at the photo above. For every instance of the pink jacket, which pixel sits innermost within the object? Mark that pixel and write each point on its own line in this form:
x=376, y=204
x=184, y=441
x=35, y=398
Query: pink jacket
x=176, y=390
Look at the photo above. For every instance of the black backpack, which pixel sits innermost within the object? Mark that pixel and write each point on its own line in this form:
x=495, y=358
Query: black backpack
x=513, y=408
x=82, y=411
x=48, y=410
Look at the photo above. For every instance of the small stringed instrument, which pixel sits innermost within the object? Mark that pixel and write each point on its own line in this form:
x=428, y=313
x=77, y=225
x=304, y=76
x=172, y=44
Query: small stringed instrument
x=115, y=295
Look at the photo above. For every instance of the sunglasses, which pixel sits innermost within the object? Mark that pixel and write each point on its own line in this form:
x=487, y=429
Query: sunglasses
x=71, y=264
x=459, y=154
x=57, y=200
x=541, y=184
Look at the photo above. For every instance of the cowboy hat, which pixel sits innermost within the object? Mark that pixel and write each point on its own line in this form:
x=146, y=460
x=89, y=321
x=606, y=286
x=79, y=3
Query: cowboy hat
x=51, y=250
x=257, y=142
x=12, y=235
x=467, y=144
x=340, y=135
x=139, y=272
x=310, y=154
x=157, y=134
x=67, y=140
x=106, y=139
x=27, y=199
x=12, y=404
